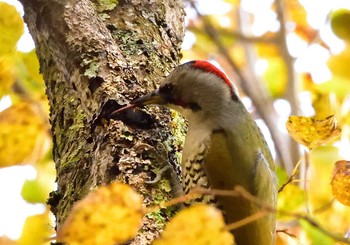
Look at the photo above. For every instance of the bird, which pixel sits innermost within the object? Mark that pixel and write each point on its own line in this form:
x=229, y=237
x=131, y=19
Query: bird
x=223, y=148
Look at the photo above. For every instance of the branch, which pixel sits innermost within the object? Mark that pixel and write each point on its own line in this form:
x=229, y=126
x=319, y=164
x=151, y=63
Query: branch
x=252, y=87
x=285, y=231
x=240, y=191
x=250, y=39
x=291, y=92
x=213, y=34
x=266, y=39
x=246, y=220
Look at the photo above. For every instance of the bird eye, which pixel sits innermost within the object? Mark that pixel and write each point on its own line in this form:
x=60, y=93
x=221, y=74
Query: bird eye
x=167, y=89
x=194, y=106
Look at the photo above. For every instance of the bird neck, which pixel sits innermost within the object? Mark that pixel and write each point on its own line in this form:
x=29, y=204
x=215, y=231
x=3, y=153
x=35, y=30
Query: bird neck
x=229, y=115
x=234, y=118
x=197, y=140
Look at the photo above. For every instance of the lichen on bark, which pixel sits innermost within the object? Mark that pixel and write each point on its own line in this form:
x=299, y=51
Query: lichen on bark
x=95, y=58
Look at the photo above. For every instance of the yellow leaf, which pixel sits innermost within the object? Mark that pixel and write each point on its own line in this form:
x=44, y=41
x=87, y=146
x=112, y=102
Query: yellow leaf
x=37, y=230
x=330, y=214
x=321, y=164
x=338, y=85
x=110, y=215
x=296, y=12
x=233, y=2
x=27, y=68
x=203, y=42
x=7, y=75
x=285, y=202
x=23, y=135
x=307, y=33
x=7, y=241
x=324, y=105
x=341, y=182
x=338, y=64
x=266, y=50
x=11, y=28
x=196, y=225
x=311, y=132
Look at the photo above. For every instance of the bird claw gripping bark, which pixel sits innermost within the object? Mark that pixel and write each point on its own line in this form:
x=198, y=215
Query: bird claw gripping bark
x=159, y=152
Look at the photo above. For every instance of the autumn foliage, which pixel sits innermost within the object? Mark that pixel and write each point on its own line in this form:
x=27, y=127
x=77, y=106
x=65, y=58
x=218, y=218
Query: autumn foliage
x=273, y=47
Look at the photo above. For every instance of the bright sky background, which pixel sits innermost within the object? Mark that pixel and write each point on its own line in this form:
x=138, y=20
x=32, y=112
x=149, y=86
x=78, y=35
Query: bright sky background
x=14, y=210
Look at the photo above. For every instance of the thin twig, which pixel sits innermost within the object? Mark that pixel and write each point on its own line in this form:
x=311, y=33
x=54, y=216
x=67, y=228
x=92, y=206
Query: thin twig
x=240, y=191
x=246, y=220
x=316, y=225
x=175, y=201
x=285, y=231
x=324, y=207
x=306, y=196
x=291, y=178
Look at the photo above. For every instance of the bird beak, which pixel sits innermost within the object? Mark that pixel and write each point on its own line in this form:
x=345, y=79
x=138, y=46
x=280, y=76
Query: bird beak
x=148, y=99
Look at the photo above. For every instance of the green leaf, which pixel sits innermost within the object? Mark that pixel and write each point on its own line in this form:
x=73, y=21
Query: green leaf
x=38, y=190
x=282, y=176
x=315, y=235
x=275, y=77
x=340, y=21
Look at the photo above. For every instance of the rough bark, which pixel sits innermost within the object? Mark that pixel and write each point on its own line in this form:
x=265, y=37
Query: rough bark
x=96, y=56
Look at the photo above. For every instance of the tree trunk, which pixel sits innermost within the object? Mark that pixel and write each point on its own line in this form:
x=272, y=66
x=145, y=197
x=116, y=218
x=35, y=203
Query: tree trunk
x=96, y=56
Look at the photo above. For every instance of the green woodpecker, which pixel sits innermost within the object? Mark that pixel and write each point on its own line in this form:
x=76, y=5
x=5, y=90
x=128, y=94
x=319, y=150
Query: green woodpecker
x=224, y=146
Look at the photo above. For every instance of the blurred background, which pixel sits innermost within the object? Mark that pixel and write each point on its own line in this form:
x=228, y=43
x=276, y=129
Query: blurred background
x=286, y=57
